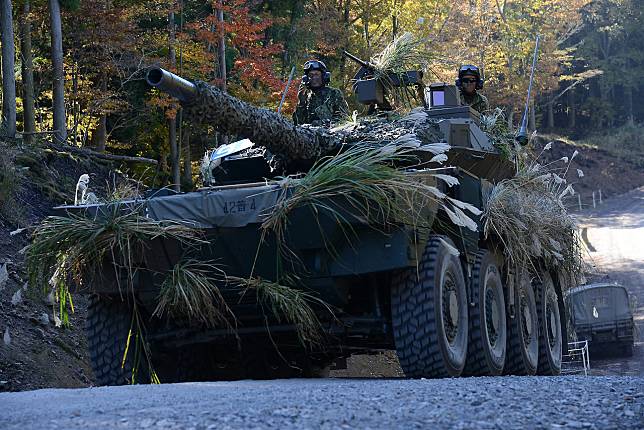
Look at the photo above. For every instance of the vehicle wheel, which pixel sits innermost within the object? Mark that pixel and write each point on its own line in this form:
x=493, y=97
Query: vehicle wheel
x=487, y=344
x=429, y=313
x=550, y=335
x=523, y=331
x=107, y=327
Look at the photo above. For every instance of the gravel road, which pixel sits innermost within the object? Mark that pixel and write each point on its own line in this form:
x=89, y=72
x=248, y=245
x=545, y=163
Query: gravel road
x=466, y=403
x=615, y=238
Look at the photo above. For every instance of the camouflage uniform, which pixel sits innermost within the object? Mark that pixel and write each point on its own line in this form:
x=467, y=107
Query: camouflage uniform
x=320, y=106
x=476, y=101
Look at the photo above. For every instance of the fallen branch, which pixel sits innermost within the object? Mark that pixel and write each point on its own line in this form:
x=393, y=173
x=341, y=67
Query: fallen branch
x=111, y=157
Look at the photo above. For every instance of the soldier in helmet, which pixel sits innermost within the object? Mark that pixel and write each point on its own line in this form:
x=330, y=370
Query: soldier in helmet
x=469, y=81
x=317, y=103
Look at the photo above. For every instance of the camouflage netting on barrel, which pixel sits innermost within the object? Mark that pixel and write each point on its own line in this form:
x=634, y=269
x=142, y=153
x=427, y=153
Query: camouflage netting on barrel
x=232, y=116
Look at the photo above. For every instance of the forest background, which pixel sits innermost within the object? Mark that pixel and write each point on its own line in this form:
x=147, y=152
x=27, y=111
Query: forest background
x=73, y=70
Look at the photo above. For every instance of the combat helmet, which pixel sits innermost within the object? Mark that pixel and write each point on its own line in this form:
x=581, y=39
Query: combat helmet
x=316, y=65
x=469, y=69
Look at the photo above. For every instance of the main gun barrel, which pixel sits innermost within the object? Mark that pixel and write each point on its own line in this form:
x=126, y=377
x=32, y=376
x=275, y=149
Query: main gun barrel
x=179, y=88
x=207, y=104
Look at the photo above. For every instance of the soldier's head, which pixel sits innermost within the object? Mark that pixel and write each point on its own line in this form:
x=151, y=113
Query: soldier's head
x=469, y=79
x=316, y=74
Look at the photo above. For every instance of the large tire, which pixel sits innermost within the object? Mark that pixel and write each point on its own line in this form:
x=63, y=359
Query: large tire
x=550, y=333
x=107, y=327
x=487, y=345
x=429, y=313
x=523, y=331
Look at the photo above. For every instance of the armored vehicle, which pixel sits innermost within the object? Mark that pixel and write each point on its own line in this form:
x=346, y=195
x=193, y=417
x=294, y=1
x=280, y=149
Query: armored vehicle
x=602, y=315
x=441, y=296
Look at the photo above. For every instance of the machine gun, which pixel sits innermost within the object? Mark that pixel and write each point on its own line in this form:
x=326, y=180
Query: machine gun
x=371, y=88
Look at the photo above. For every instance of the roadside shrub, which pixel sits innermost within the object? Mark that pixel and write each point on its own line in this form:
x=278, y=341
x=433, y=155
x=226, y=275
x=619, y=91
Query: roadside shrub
x=625, y=142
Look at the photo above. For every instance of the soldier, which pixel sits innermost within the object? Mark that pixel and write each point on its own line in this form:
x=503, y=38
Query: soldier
x=317, y=103
x=469, y=81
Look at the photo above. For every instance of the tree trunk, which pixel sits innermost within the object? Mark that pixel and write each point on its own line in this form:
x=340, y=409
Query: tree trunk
x=572, y=109
x=346, y=24
x=628, y=95
x=60, y=124
x=394, y=25
x=172, y=123
x=29, y=113
x=222, y=49
x=510, y=117
x=221, y=55
x=187, y=160
x=551, y=113
x=75, y=104
x=287, y=57
x=99, y=136
x=8, y=63
x=366, y=16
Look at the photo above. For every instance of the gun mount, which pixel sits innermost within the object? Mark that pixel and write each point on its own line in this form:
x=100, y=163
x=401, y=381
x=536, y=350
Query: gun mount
x=371, y=89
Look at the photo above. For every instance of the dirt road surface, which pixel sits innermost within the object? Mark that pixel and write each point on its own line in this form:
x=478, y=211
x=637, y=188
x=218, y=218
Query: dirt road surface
x=615, y=238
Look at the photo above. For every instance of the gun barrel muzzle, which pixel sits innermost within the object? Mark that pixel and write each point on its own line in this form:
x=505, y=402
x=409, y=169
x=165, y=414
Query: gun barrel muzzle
x=179, y=88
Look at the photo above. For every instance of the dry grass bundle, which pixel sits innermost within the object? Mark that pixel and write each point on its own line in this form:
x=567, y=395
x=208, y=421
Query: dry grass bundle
x=125, y=189
x=190, y=291
x=497, y=130
x=527, y=214
x=403, y=54
x=77, y=245
x=368, y=181
x=288, y=304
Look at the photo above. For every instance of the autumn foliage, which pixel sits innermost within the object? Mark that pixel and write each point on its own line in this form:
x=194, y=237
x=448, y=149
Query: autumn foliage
x=585, y=44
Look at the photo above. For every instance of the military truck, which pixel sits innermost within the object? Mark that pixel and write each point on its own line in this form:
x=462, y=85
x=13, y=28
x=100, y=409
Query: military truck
x=445, y=313
x=601, y=314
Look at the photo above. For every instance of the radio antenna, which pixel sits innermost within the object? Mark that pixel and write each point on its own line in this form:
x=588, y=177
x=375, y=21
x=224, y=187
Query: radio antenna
x=522, y=135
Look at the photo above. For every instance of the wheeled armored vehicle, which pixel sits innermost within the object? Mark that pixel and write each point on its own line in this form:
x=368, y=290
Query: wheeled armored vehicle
x=601, y=314
x=445, y=313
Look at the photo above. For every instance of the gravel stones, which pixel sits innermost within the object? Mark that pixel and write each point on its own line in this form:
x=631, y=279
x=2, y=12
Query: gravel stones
x=484, y=403
x=4, y=275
